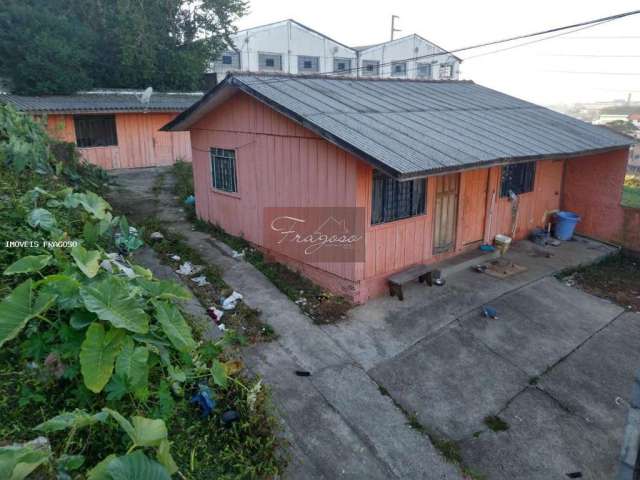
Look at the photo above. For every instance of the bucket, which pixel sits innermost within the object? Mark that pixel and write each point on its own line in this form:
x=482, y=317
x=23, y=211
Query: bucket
x=564, y=225
x=502, y=243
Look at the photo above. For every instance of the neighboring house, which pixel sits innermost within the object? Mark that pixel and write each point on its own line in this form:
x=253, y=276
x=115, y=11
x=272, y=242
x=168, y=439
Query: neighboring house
x=607, y=118
x=635, y=119
x=430, y=163
x=114, y=129
x=290, y=47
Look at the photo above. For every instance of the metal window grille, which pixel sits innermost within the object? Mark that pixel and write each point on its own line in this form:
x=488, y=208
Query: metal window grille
x=517, y=178
x=398, y=69
x=371, y=68
x=446, y=71
x=223, y=169
x=424, y=70
x=95, y=130
x=308, y=64
x=269, y=61
x=394, y=200
x=341, y=64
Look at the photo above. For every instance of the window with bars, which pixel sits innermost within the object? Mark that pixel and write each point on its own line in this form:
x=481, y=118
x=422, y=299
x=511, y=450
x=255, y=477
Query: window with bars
x=398, y=69
x=230, y=60
x=223, y=170
x=446, y=71
x=269, y=61
x=424, y=70
x=517, y=178
x=341, y=65
x=394, y=200
x=95, y=130
x=308, y=64
x=371, y=68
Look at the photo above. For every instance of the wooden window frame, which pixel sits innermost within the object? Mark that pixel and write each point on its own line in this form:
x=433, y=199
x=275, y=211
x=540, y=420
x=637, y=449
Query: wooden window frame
x=218, y=182
x=516, y=172
x=82, y=131
x=386, y=191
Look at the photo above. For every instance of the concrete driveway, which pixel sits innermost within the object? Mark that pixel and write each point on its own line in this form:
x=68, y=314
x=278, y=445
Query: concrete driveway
x=557, y=365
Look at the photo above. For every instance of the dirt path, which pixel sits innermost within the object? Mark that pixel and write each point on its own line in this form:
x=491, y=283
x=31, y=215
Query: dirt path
x=339, y=422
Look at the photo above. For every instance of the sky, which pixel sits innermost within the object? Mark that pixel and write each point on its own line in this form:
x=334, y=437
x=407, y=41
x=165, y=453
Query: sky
x=595, y=64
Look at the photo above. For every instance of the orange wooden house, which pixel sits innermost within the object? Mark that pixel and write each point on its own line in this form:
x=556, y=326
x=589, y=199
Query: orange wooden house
x=114, y=128
x=430, y=163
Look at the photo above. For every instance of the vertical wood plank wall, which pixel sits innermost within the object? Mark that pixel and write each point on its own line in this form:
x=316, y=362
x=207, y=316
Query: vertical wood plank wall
x=140, y=143
x=278, y=164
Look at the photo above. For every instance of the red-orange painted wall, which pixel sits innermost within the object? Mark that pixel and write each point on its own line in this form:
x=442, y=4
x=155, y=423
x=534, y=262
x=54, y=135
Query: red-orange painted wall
x=592, y=188
x=140, y=143
x=281, y=164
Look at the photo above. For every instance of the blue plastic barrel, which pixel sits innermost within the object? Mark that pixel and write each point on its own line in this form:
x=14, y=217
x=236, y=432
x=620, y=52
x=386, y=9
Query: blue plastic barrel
x=565, y=224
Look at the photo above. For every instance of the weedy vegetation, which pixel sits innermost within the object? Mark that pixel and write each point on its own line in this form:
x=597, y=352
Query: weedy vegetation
x=98, y=365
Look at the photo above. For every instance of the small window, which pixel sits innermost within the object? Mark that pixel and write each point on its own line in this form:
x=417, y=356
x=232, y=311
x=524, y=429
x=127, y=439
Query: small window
x=230, y=60
x=398, y=69
x=223, y=170
x=370, y=68
x=517, y=178
x=308, y=64
x=424, y=70
x=270, y=61
x=95, y=130
x=446, y=71
x=341, y=64
x=393, y=200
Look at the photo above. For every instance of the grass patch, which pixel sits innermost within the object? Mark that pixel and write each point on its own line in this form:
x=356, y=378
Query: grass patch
x=243, y=320
x=616, y=278
x=495, y=423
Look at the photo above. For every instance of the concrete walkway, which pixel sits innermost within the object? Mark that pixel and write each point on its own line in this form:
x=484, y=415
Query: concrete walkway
x=338, y=422
x=557, y=366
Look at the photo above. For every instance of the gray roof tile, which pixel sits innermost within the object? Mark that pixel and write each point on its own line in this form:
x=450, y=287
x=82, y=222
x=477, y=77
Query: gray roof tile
x=411, y=128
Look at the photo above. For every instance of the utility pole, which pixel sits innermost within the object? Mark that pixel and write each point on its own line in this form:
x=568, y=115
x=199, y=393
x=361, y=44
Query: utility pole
x=393, y=25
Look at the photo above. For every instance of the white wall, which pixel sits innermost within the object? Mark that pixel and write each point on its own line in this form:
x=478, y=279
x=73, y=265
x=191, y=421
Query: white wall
x=410, y=47
x=291, y=40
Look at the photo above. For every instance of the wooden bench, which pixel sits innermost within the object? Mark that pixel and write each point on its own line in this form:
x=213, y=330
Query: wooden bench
x=397, y=280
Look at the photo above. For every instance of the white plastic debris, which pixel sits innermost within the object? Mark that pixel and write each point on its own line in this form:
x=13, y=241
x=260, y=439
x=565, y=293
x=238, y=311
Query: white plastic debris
x=106, y=264
x=222, y=327
x=133, y=230
x=301, y=301
x=187, y=268
x=201, y=281
x=156, y=236
x=215, y=314
x=235, y=254
x=231, y=301
x=124, y=269
x=174, y=257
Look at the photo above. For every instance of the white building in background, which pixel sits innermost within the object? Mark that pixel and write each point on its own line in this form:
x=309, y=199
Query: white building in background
x=290, y=47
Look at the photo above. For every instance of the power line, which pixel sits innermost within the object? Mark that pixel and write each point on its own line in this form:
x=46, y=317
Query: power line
x=587, y=55
x=594, y=73
x=574, y=27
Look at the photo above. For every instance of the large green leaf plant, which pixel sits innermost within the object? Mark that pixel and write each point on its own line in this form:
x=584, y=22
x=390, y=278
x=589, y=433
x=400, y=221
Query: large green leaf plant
x=130, y=325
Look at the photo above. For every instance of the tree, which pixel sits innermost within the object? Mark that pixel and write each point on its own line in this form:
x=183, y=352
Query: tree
x=58, y=46
x=623, y=126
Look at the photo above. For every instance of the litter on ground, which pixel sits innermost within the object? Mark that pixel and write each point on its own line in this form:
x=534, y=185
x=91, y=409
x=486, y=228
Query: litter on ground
x=187, y=268
x=156, y=236
x=174, y=257
x=489, y=312
x=235, y=254
x=201, y=281
x=215, y=314
x=231, y=301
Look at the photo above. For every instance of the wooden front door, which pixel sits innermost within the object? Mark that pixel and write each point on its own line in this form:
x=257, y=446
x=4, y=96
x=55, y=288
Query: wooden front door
x=446, y=213
x=474, y=205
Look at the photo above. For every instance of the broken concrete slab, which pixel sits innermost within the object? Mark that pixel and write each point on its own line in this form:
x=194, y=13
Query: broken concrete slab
x=543, y=442
x=451, y=382
x=597, y=380
x=541, y=323
x=408, y=453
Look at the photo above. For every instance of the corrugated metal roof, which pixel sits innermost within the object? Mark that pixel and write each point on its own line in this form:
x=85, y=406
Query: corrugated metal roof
x=105, y=101
x=411, y=128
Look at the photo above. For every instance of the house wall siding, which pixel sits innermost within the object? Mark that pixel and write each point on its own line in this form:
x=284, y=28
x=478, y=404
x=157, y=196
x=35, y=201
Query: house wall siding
x=278, y=164
x=140, y=143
